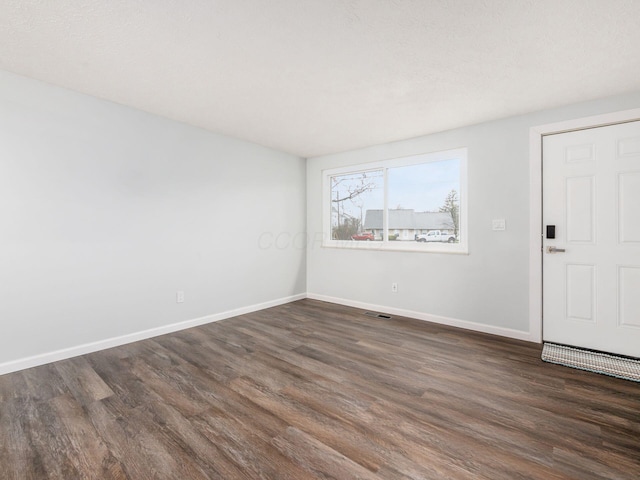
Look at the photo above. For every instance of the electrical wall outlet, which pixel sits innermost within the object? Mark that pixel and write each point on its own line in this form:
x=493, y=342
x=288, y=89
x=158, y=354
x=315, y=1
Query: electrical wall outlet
x=394, y=287
x=179, y=296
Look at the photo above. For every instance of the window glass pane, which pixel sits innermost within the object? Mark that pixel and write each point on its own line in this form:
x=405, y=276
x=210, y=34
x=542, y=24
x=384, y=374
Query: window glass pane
x=357, y=200
x=424, y=202
x=417, y=202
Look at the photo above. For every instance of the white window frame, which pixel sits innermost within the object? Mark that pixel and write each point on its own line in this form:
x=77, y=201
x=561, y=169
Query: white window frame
x=431, y=247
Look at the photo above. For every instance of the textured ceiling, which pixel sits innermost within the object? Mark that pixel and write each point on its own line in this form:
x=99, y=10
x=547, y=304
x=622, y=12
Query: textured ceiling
x=312, y=77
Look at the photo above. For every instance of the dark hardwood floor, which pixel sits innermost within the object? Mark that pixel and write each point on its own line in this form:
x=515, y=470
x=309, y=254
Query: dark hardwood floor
x=312, y=390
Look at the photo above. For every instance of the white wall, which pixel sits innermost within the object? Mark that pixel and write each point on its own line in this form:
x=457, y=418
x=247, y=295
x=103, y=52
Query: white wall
x=488, y=289
x=106, y=211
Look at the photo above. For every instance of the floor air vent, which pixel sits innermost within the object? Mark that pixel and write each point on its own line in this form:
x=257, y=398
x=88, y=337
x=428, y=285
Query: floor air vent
x=621, y=367
x=377, y=315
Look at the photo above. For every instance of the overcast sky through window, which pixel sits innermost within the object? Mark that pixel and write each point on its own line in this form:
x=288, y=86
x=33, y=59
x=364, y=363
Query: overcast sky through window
x=423, y=187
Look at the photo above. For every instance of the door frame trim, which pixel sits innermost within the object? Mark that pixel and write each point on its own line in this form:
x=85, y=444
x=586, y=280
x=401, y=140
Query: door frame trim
x=535, y=200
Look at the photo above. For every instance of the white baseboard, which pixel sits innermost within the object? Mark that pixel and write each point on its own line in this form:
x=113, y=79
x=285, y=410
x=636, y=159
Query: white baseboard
x=453, y=322
x=44, y=358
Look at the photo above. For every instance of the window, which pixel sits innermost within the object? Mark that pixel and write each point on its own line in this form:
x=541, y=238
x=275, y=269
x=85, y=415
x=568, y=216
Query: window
x=415, y=203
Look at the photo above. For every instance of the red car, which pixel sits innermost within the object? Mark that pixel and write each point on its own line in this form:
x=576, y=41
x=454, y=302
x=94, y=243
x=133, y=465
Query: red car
x=363, y=236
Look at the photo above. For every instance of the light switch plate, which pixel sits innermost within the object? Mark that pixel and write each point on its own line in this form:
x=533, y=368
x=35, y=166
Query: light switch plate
x=499, y=224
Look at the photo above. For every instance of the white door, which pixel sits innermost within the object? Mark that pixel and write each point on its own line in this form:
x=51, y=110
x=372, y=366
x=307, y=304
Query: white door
x=591, y=193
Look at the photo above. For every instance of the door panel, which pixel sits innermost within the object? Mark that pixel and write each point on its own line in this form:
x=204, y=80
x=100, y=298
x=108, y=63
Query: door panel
x=591, y=283
x=629, y=217
x=580, y=204
x=628, y=296
x=580, y=292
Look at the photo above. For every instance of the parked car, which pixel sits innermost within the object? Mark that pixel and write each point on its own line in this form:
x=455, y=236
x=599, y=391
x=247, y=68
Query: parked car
x=436, y=236
x=363, y=236
x=393, y=236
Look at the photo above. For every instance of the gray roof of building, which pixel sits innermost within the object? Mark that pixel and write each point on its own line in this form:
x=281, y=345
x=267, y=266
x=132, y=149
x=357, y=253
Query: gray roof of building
x=401, y=219
x=433, y=221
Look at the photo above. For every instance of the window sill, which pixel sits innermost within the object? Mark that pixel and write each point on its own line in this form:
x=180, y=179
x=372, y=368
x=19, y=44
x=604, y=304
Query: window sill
x=398, y=246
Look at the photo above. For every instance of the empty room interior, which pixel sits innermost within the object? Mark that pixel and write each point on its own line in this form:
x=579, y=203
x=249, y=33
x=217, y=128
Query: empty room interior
x=320, y=239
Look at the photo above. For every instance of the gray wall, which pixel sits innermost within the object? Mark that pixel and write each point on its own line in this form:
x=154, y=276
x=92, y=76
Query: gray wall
x=490, y=285
x=106, y=211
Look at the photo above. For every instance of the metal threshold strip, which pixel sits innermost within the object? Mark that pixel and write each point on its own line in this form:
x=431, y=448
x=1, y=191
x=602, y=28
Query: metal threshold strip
x=604, y=363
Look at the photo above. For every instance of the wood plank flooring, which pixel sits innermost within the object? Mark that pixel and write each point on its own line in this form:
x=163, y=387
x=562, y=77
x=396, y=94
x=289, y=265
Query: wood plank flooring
x=312, y=390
